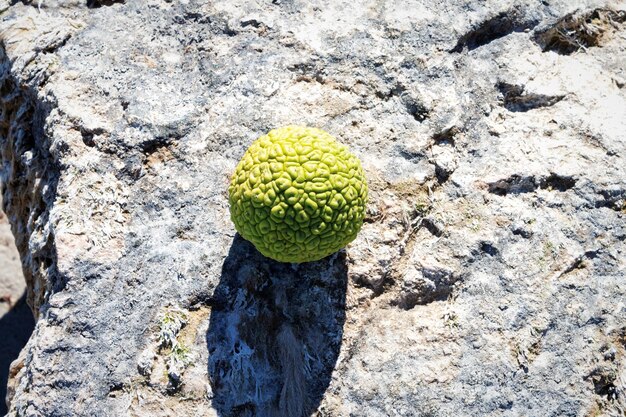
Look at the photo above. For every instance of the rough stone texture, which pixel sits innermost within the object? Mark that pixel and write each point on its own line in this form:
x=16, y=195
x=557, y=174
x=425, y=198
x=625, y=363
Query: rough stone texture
x=489, y=278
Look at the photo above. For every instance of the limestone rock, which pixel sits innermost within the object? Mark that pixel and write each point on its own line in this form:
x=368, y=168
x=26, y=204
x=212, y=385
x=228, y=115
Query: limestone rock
x=489, y=276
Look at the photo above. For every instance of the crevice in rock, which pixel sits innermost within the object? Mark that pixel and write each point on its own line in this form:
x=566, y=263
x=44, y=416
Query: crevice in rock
x=557, y=182
x=254, y=23
x=228, y=31
x=30, y=177
x=523, y=232
x=88, y=135
x=442, y=174
x=484, y=251
x=116, y=387
x=515, y=99
x=494, y=28
x=576, y=31
x=489, y=249
x=432, y=227
x=410, y=155
x=612, y=199
x=515, y=184
x=415, y=108
x=446, y=137
x=94, y=4
x=603, y=379
x=518, y=184
x=154, y=145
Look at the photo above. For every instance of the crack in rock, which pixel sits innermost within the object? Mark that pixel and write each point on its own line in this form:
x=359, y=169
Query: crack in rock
x=520, y=184
x=580, y=30
x=515, y=99
x=494, y=28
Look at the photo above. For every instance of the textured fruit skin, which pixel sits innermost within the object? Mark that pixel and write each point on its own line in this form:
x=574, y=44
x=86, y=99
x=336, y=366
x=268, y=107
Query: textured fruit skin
x=298, y=195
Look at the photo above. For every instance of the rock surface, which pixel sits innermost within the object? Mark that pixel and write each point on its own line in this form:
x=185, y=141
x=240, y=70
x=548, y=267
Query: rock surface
x=489, y=278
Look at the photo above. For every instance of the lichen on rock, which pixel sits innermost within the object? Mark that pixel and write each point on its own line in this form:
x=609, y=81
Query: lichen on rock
x=298, y=195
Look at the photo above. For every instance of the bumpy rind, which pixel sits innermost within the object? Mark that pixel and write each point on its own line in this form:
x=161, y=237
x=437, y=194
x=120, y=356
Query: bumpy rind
x=298, y=195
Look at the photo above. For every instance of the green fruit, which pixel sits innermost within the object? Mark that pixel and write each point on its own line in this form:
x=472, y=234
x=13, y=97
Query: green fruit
x=298, y=195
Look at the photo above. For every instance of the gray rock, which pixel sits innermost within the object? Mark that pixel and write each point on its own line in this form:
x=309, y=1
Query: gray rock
x=488, y=278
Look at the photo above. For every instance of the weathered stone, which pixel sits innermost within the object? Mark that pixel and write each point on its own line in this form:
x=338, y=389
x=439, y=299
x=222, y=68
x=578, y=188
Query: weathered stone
x=488, y=278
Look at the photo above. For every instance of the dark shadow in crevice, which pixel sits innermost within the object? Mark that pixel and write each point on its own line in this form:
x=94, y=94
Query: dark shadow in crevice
x=275, y=333
x=580, y=30
x=515, y=99
x=94, y=4
x=496, y=27
x=16, y=326
x=31, y=175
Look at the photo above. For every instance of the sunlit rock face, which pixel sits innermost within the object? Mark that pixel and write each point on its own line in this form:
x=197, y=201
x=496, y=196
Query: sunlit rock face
x=487, y=278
